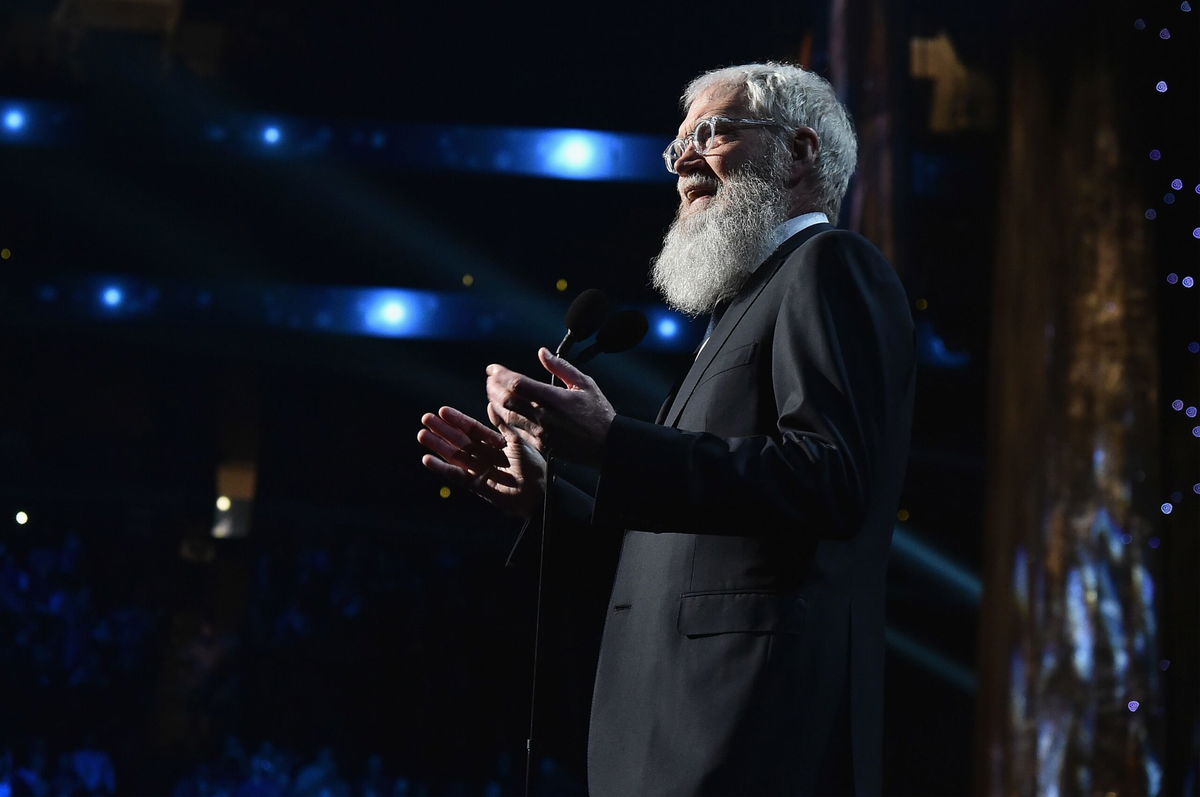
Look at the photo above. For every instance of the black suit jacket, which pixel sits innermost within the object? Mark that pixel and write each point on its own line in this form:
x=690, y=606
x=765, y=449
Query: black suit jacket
x=743, y=646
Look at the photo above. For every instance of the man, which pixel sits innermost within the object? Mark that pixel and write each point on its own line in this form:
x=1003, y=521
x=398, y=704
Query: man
x=743, y=647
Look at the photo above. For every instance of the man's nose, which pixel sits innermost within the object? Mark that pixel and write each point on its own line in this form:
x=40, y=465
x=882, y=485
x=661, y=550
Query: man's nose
x=690, y=161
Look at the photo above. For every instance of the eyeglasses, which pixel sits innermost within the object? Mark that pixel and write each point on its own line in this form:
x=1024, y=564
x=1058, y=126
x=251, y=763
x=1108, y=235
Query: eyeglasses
x=701, y=137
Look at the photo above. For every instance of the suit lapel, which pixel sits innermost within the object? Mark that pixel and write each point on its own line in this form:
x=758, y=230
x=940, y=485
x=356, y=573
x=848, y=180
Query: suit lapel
x=733, y=315
x=666, y=405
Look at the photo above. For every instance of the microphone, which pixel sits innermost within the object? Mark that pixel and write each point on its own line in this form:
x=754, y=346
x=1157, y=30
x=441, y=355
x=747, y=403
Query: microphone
x=584, y=317
x=621, y=332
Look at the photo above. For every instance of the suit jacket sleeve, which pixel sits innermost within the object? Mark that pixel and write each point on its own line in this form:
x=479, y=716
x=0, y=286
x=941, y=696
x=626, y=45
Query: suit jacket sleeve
x=842, y=357
x=571, y=508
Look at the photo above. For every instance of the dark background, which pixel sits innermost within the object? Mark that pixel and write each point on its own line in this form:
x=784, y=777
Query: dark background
x=364, y=612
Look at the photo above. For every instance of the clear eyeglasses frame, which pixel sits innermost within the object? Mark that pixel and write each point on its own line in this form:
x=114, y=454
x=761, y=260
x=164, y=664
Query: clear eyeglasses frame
x=703, y=134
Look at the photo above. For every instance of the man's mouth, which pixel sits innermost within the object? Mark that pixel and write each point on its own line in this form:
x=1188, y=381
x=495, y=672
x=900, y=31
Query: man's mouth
x=699, y=191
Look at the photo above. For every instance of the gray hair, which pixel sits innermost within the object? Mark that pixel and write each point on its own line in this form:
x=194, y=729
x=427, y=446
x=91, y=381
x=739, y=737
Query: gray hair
x=795, y=98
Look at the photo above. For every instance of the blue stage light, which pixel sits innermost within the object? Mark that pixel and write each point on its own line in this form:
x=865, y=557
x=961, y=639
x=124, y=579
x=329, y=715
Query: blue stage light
x=574, y=153
x=112, y=296
x=668, y=328
x=271, y=135
x=14, y=120
x=932, y=349
x=579, y=154
x=392, y=313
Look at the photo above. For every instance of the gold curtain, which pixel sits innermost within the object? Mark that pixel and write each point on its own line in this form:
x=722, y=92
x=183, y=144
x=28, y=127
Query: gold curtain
x=1070, y=693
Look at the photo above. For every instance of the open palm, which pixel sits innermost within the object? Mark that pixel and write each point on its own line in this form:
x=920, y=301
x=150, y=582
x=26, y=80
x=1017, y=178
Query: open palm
x=503, y=468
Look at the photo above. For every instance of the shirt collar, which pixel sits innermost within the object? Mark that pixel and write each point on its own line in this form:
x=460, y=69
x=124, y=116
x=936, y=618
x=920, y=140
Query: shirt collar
x=793, y=226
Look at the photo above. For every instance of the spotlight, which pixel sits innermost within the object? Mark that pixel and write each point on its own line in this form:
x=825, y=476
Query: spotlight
x=391, y=313
x=578, y=154
x=271, y=135
x=575, y=153
x=14, y=120
x=112, y=296
x=667, y=328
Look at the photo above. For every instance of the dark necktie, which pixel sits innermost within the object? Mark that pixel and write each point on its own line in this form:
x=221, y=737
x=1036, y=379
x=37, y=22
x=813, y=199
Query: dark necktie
x=713, y=320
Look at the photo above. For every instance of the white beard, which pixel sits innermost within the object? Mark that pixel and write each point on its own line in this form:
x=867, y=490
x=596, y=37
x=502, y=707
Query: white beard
x=707, y=255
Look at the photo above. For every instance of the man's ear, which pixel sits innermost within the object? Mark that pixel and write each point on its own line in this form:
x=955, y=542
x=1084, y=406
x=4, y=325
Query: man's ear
x=805, y=145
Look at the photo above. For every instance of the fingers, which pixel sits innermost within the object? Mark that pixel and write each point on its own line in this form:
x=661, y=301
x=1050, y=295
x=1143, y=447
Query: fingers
x=471, y=427
x=495, y=418
x=466, y=454
x=483, y=484
x=512, y=409
x=525, y=436
x=445, y=470
x=444, y=449
x=488, y=452
x=510, y=421
x=571, y=376
x=507, y=388
x=530, y=439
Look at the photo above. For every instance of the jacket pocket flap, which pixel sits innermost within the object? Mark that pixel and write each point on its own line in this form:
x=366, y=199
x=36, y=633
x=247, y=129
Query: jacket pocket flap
x=703, y=613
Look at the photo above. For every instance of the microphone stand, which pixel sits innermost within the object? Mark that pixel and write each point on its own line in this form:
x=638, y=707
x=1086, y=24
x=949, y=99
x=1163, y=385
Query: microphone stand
x=563, y=347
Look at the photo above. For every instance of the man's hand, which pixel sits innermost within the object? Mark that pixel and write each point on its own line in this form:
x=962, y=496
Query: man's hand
x=505, y=469
x=569, y=422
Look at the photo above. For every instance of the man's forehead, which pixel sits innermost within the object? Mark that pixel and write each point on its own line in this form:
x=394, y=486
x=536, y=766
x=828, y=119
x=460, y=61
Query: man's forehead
x=718, y=100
